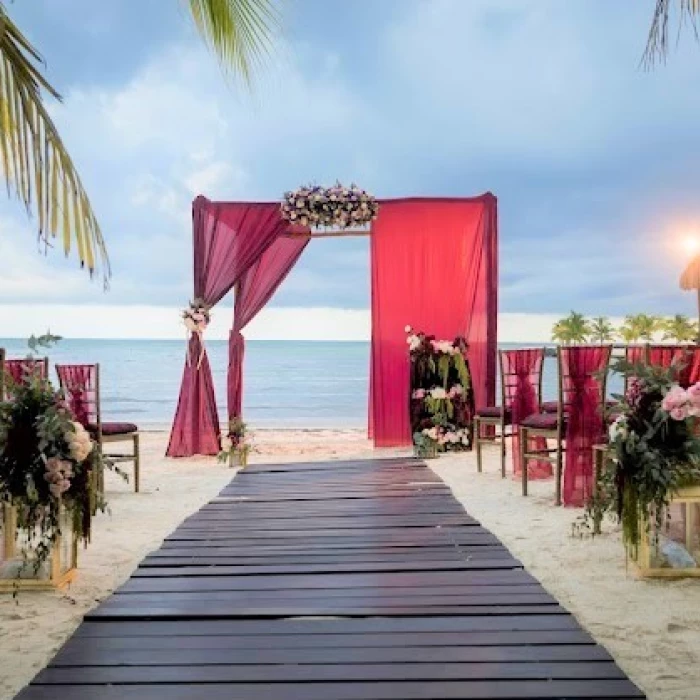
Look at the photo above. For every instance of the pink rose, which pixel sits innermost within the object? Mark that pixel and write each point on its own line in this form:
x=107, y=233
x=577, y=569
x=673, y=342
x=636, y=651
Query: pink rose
x=676, y=398
x=419, y=394
x=693, y=394
x=679, y=413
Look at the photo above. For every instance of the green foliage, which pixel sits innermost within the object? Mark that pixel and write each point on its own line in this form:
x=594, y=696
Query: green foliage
x=680, y=329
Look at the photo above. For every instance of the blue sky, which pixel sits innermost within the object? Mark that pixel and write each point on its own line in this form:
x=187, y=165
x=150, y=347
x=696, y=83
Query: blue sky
x=594, y=161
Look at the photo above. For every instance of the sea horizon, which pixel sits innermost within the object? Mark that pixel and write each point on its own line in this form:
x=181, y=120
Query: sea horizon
x=293, y=384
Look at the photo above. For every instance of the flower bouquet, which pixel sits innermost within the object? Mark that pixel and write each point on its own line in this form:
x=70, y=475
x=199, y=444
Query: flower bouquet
x=47, y=463
x=655, y=451
x=334, y=207
x=236, y=445
x=441, y=391
x=196, y=316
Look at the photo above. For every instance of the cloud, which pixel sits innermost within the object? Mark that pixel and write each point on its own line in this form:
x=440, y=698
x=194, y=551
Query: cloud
x=540, y=101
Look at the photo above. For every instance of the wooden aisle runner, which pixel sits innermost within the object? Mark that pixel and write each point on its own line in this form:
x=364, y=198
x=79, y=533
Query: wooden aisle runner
x=331, y=581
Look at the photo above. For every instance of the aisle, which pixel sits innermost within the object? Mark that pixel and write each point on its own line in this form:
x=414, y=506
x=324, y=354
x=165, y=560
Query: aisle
x=331, y=581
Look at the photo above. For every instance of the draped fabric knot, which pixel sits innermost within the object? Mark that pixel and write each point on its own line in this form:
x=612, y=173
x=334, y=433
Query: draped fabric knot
x=522, y=371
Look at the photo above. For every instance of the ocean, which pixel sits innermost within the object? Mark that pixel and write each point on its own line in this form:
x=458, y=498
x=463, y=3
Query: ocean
x=288, y=384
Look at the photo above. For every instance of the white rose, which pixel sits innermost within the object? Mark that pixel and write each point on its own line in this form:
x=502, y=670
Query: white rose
x=433, y=433
x=438, y=393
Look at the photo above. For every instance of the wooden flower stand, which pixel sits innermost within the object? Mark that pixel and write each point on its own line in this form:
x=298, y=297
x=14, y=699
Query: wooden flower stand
x=58, y=570
x=678, y=541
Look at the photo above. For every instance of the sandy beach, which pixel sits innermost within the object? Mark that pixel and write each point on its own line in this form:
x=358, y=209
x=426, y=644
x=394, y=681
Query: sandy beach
x=652, y=629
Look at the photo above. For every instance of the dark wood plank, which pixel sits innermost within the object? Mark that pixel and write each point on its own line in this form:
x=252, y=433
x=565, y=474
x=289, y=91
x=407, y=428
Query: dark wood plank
x=398, y=690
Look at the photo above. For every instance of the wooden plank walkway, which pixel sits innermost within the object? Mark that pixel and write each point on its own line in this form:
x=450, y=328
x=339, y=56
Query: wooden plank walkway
x=338, y=581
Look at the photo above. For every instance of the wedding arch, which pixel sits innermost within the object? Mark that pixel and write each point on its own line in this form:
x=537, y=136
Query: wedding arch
x=434, y=266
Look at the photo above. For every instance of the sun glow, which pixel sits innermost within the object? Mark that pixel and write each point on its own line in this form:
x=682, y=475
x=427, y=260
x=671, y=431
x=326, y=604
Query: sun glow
x=691, y=244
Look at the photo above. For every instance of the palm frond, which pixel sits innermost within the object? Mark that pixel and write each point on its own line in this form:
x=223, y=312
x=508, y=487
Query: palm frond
x=658, y=39
x=238, y=31
x=35, y=163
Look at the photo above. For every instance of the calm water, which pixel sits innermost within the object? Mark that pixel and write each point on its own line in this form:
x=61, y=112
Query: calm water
x=290, y=384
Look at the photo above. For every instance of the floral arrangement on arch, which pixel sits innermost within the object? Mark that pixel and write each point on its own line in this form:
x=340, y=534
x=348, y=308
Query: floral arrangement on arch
x=655, y=451
x=46, y=465
x=196, y=316
x=442, y=401
x=337, y=206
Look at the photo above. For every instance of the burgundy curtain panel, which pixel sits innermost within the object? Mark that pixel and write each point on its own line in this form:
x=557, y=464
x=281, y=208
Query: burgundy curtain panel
x=228, y=238
x=435, y=268
x=253, y=291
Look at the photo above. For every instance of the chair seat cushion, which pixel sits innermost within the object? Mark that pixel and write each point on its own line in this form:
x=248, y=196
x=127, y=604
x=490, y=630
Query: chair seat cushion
x=491, y=412
x=115, y=428
x=540, y=421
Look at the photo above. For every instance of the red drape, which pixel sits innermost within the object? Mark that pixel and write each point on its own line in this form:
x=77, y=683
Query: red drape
x=79, y=386
x=585, y=423
x=687, y=357
x=228, y=237
x=253, y=291
x=434, y=267
x=522, y=377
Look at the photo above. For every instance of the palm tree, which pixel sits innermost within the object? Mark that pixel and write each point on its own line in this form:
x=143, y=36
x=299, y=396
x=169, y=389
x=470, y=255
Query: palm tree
x=572, y=329
x=657, y=41
x=560, y=332
x=647, y=325
x=629, y=331
x=681, y=329
x=601, y=330
x=34, y=162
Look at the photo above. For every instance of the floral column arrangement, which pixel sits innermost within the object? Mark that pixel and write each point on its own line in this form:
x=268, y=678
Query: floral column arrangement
x=442, y=400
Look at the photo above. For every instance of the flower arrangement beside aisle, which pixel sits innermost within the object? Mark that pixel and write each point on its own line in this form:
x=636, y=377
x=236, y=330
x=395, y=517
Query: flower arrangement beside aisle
x=47, y=463
x=235, y=446
x=654, y=453
x=442, y=402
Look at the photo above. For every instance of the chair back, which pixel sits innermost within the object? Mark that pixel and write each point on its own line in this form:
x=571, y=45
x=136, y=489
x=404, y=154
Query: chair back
x=686, y=357
x=81, y=388
x=18, y=370
x=583, y=373
x=521, y=379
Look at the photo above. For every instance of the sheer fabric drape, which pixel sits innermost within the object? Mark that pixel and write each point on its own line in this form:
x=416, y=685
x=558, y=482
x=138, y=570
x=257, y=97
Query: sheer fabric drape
x=685, y=357
x=253, y=291
x=522, y=377
x=228, y=238
x=583, y=393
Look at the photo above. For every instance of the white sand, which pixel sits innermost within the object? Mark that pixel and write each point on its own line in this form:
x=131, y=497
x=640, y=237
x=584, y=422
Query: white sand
x=653, y=629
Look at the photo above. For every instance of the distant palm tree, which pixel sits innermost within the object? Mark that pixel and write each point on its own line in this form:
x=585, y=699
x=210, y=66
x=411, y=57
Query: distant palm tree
x=560, y=332
x=628, y=333
x=601, y=330
x=657, y=41
x=33, y=160
x=681, y=329
x=647, y=325
x=572, y=329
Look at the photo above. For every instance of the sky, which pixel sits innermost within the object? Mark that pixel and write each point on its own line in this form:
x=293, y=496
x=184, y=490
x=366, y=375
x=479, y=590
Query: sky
x=594, y=160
